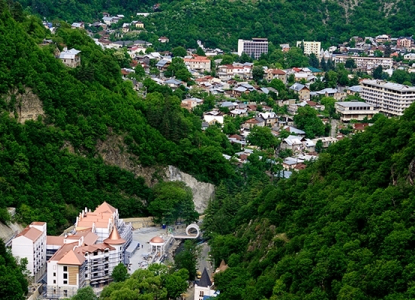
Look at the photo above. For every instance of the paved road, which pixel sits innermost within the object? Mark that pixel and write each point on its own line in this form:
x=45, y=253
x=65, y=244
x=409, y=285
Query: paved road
x=334, y=125
x=203, y=262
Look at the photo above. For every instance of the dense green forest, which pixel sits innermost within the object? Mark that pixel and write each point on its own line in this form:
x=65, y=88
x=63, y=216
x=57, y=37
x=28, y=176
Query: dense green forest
x=220, y=23
x=50, y=168
x=343, y=228
x=13, y=282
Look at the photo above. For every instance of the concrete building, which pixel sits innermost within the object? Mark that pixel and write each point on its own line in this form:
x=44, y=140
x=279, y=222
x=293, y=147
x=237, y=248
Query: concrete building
x=31, y=244
x=365, y=63
x=310, y=47
x=198, y=63
x=355, y=110
x=390, y=98
x=404, y=42
x=71, y=58
x=254, y=47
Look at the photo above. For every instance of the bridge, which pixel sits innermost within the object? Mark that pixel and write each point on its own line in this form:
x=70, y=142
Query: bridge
x=189, y=234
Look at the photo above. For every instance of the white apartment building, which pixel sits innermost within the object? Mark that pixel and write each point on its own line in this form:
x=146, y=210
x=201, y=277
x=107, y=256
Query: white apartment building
x=31, y=244
x=366, y=63
x=310, y=47
x=390, y=98
x=198, y=63
x=254, y=47
x=355, y=110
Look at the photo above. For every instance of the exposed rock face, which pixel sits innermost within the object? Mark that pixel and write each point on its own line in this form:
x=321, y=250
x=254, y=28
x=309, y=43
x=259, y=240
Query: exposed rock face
x=113, y=152
x=27, y=105
x=8, y=231
x=202, y=191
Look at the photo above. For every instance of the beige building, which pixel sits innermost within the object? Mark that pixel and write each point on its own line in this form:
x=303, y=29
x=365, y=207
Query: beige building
x=366, y=63
x=198, y=63
x=71, y=58
x=271, y=74
x=355, y=110
x=390, y=98
x=310, y=47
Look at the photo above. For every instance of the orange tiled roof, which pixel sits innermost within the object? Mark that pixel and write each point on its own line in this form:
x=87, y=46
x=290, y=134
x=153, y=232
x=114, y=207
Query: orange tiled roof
x=30, y=233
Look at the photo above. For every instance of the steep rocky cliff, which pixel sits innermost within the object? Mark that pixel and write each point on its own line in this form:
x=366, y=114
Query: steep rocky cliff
x=113, y=152
x=25, y=105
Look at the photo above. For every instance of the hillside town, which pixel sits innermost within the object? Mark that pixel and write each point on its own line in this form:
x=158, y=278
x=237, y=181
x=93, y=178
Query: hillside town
x=245, y=93
x=297, y=111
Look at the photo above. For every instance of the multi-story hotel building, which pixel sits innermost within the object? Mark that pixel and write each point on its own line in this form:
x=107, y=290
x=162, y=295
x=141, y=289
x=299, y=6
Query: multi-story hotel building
x=355, y=110
x=365, y=63
x=310, y=47
x=254, y=47
x=390, y=98
x=31, y=244
x=86, y=256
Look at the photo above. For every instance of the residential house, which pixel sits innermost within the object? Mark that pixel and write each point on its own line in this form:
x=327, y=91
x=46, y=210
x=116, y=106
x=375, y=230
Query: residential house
x=214, y=116
x=271, y=74
x=191, y=103
x=125, y=27
x=291, y=129
x=78, y=25
x=198, y=63
x=226, y=72
x=409, y=56
x=257, y=121
x=137, y=24
x=163, y=39
x=71, y=58
x=302, y=91
x=285, y=47
x=174, y=83
x=404, y=42
x=329, y=92
x=294, y=143
x=270, y=118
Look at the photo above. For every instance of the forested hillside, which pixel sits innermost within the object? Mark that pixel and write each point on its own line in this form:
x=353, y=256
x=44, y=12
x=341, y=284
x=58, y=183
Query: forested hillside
x=50, y=167
x=220, y=23
x=343, y=228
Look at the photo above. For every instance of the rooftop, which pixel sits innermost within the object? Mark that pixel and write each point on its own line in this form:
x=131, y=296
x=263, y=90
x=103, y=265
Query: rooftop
x=390, y=85
x=353, y=104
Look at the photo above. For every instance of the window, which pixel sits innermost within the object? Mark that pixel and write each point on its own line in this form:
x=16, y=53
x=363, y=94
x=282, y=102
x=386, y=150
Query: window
x=54, y=274
x=65, y=269
x=65, y=275
x=54, y=281
x=65, y=293
x=65, y=282
x=202, y=293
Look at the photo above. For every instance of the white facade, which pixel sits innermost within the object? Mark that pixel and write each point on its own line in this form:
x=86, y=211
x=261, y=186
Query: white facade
x=213, y=117
x=355, y=110
x=310, y=47
x=31, y=244
x=254, y=47
x=199, y=63
x=390, y=98
x=366, y=63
